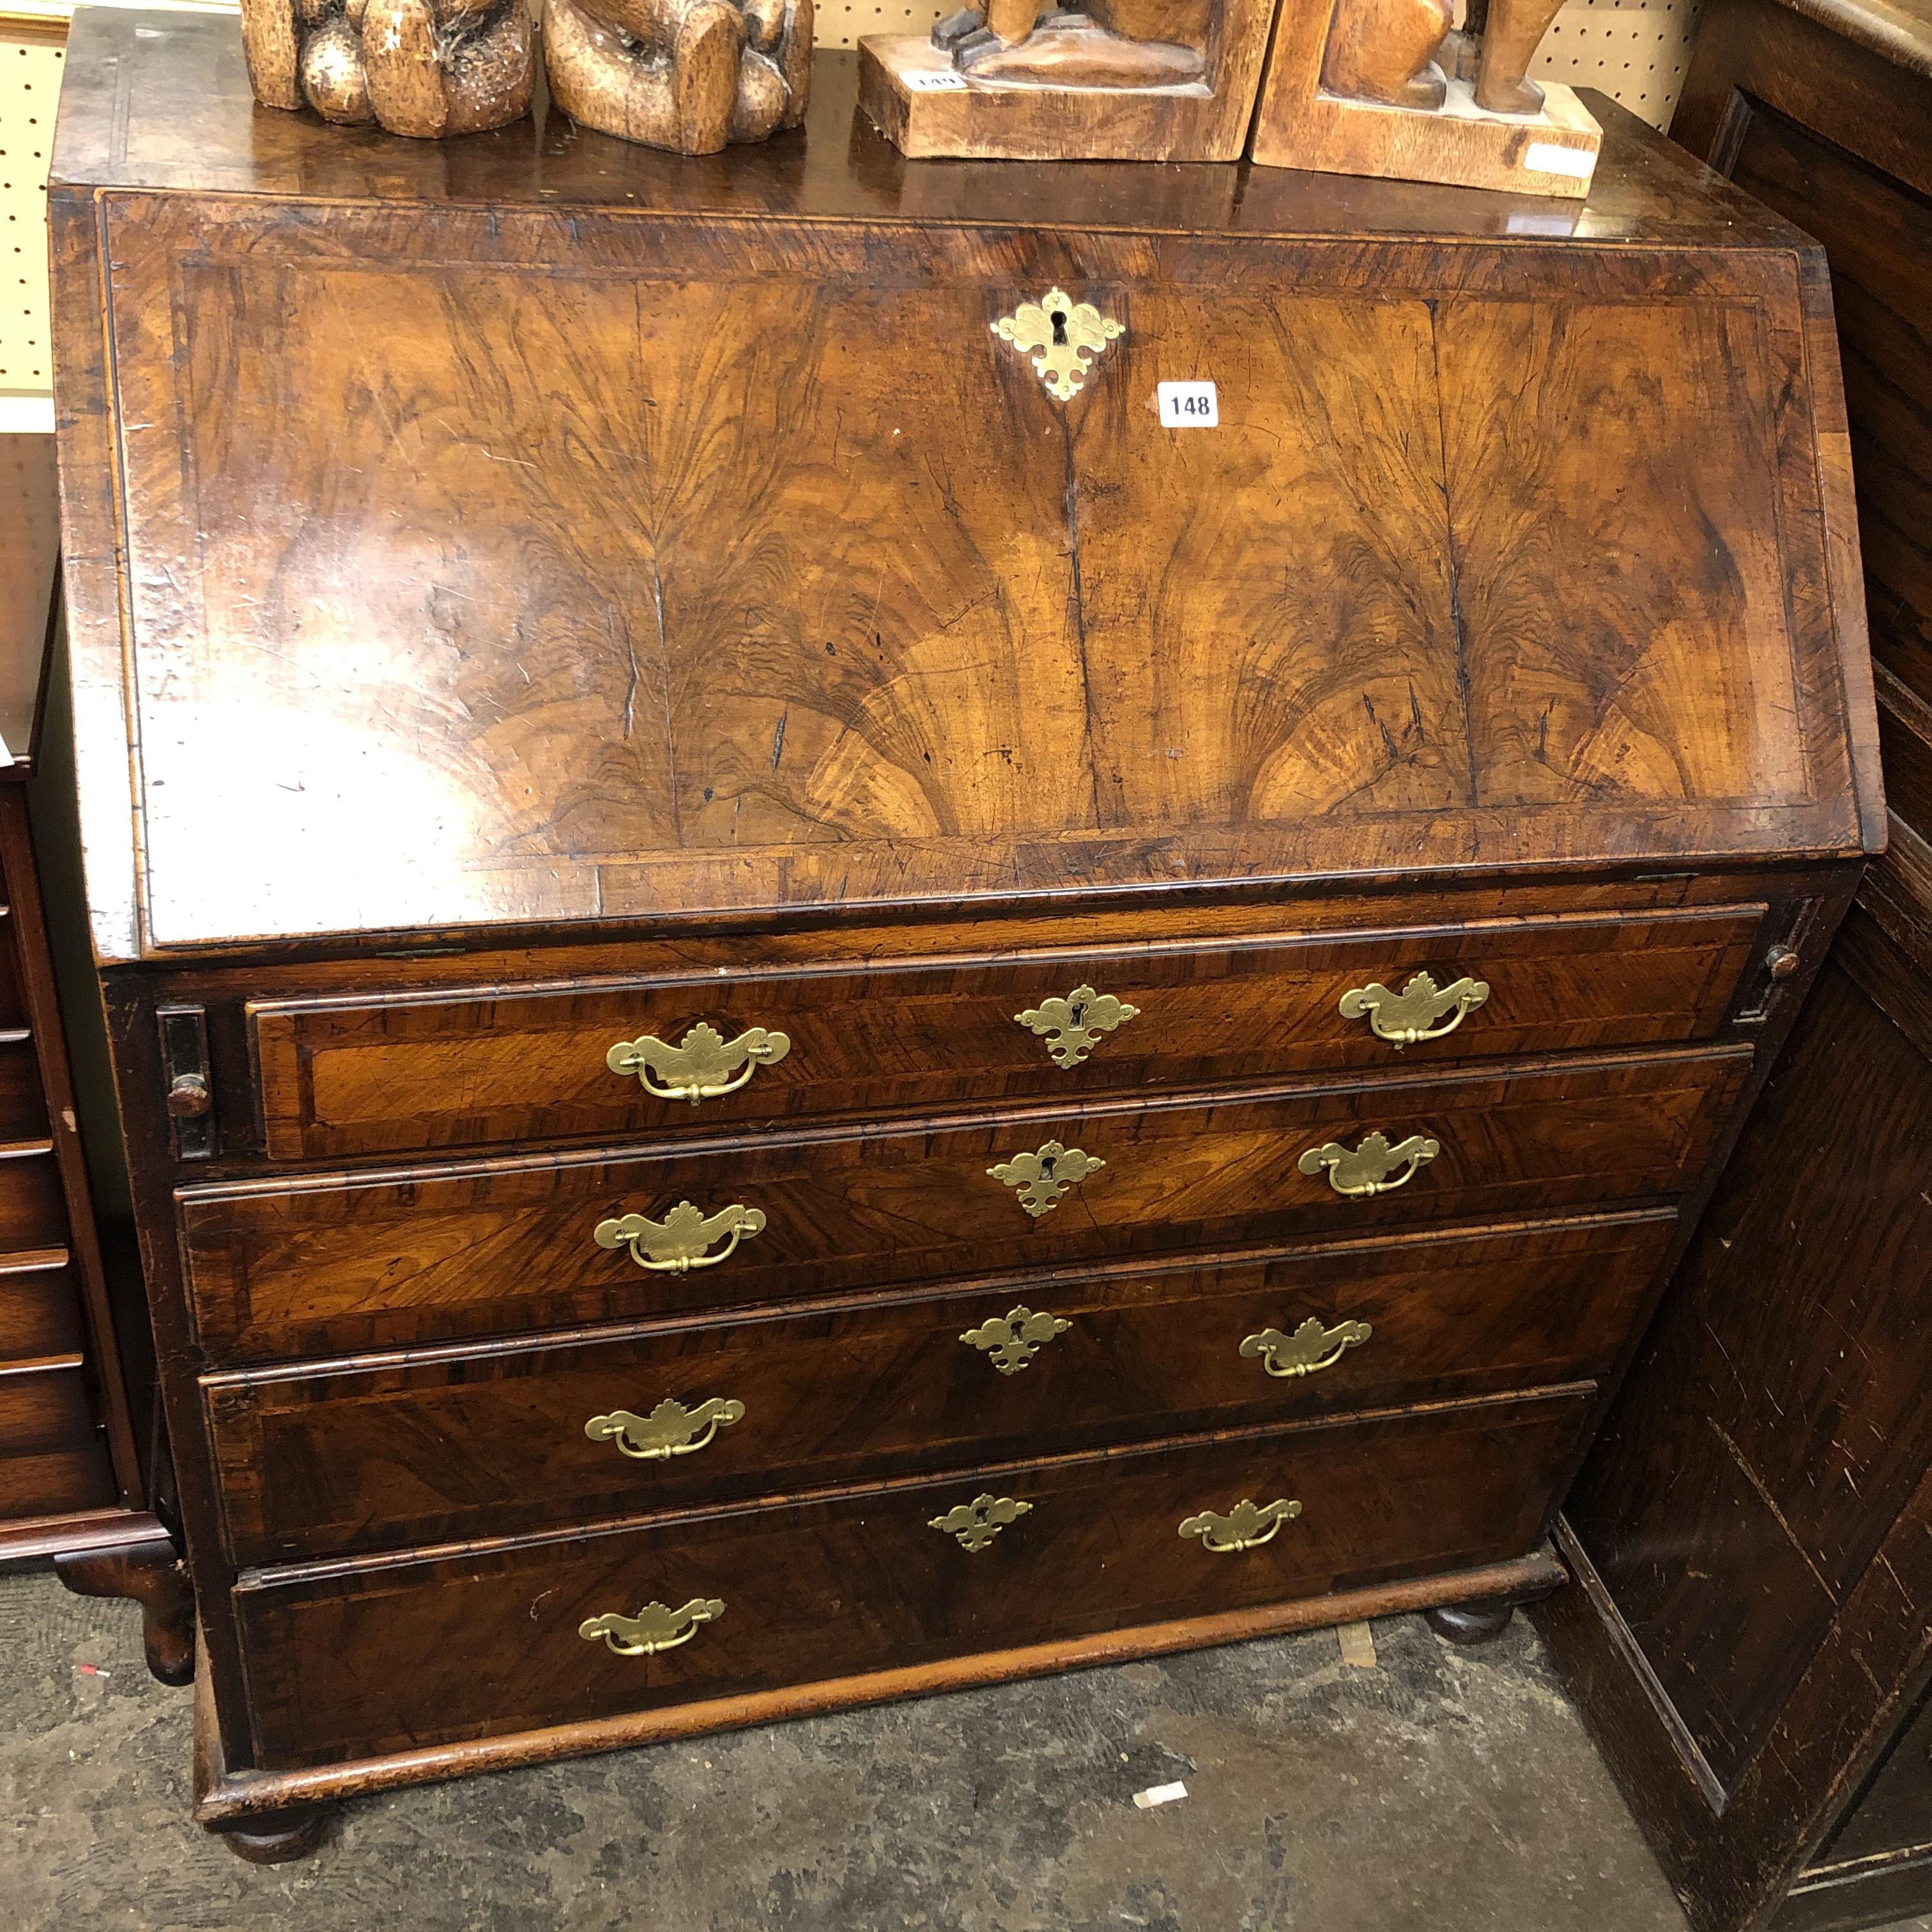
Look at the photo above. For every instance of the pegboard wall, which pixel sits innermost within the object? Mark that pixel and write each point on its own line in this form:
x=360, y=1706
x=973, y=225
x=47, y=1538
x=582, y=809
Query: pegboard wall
x=1634, y=50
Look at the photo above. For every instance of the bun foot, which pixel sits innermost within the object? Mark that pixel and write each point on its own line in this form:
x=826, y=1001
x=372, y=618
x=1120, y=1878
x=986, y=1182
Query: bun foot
x=1468, y=1624
x=278, y=1837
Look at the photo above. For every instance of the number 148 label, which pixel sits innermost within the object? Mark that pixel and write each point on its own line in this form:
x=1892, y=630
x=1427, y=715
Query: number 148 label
x=1187, y=405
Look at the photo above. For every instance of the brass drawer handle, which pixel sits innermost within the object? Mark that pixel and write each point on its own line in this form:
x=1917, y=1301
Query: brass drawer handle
x=1044, y=1175
x=1244, y=1527
x=1366, y=1170
x=974, y=1525
x=1311, y=1348
x=1012, y=1340
x=1072, y=1027
x=1062, y=337
x=670, y=1429
x=1413, y=1014
x=676, y=1244
x=702, y=1066
x=656, y=1627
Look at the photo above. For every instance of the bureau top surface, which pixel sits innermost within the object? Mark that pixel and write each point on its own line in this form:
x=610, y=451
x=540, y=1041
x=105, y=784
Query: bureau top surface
x=540, y=532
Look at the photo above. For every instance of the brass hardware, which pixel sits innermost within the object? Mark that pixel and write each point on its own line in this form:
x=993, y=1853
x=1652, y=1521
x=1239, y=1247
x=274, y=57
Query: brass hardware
x=976, y=1524
x=1044, y=1175
x=1311, y=1348
x=1780, y=962
x=700, y=1066
x=1072, y=1027
x=1066, y=335
x=1401, y=1019
x=656, y=1627
x=1244, y=1527
x=1366, y=1171
x=1012, y=1340
x=188, y=1097
x=670, y=1429
x=677, y=1243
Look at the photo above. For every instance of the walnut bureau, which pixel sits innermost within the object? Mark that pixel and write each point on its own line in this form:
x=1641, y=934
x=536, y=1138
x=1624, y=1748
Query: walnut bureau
x=764, y=948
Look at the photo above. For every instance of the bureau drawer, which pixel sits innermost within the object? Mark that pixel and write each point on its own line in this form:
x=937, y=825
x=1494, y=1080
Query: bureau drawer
x=339, y=1077
x=410, y=1652
x=473, y=1443
x=53, y=1459
x=340, y=1263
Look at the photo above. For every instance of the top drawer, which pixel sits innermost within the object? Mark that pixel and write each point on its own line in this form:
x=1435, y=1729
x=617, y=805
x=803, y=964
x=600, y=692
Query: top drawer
x=481, y=1064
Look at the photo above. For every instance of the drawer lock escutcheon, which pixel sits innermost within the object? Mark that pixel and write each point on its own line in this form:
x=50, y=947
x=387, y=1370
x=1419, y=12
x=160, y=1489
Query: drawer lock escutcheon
x=1422, y=1010
x=703, y=1065
x=1011, y=1341
x=1062, y=336
x=974, y=1525
x=1246, y=1526
x=1072, y=1027
x=1311, y=1348
x=670, y=1429
x=656, y=1627
x=1366, y=1169
x=1044, y=1175
x=679, y=1242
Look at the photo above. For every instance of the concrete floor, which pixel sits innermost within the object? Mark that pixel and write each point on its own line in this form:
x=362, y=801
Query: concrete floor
x=1441, y=1791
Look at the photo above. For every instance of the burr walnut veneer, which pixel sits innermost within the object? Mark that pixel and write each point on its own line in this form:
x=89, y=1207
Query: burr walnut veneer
x=766, y=947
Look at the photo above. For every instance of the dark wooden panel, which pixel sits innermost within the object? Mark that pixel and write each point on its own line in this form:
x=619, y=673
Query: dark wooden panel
x=1893, y=1813
x=337, y=1263
x=320, y=1463
x=423, y=1652
x=469, y=1066
x=40, y=1314
x=23, y=1108
x=53, y=1458
x=1877, y=233
x=33, y=1213
x=1780, y=1450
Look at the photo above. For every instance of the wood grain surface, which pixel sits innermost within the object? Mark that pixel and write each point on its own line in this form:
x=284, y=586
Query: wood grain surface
x=963, y=689
x=414, y=1652
x=428, y=1448
x=466, y=1067
x=341, y=1262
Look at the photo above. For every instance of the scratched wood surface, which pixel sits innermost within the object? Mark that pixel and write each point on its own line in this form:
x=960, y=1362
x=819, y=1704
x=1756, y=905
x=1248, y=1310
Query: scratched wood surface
x=620, y=591
x=410, y=1653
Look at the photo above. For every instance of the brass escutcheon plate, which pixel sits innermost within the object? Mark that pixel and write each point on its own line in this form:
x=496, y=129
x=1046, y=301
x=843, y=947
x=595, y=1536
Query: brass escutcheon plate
x=1062, y=336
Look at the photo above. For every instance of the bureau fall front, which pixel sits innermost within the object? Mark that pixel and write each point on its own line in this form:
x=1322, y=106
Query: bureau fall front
x=805, y=1009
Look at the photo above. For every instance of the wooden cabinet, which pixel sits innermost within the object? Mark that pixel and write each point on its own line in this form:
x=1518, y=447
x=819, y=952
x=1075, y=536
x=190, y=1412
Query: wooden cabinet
x=757, y=962
x=1748, y=1637
x=82, y=1474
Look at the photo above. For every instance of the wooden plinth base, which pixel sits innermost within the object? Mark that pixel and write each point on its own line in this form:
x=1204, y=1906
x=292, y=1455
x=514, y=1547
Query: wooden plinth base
x=1299, y=124
x=260, y=1804
x=911, y=93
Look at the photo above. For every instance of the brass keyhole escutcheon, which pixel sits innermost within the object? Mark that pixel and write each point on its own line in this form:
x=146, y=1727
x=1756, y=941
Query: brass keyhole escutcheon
x=1074, y=1026
x=1011, y=1341
x=1044, y=1175
x=1062, y=336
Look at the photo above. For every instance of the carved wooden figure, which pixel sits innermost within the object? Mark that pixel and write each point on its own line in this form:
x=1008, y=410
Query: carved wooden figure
x=1383, y=87
x=1104, y=80
x=690, y=75
x=425, y=67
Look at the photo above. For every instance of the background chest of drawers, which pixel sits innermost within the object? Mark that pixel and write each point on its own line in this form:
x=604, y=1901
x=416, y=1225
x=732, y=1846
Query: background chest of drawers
x=764, y=961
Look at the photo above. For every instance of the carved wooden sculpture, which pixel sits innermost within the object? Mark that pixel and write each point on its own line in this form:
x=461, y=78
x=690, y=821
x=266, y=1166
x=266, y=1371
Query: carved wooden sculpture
x=425, y=67
x=1383, y=87
x=687, y=74
x=1102, y=80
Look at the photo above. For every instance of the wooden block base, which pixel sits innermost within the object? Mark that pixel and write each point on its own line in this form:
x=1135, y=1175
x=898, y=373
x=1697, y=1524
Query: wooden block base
x=912, y=94
x=1552, y=153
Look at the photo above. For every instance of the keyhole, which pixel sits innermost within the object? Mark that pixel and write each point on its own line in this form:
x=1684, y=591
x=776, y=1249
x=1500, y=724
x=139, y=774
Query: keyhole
x=1077, y=1013
x=1046, y=1167
x=1058, y=319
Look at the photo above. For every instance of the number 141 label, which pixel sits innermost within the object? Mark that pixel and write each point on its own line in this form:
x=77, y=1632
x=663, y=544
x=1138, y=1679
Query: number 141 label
x=1187, y=405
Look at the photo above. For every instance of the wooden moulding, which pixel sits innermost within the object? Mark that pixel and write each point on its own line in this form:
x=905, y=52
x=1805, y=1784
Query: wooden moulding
x=222, y=1798
x=912, y=93
x=1299, y=124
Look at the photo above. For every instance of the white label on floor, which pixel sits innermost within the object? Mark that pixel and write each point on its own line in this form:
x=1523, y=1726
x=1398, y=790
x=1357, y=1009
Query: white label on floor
x=1187, y=405
x=1160, y=1794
